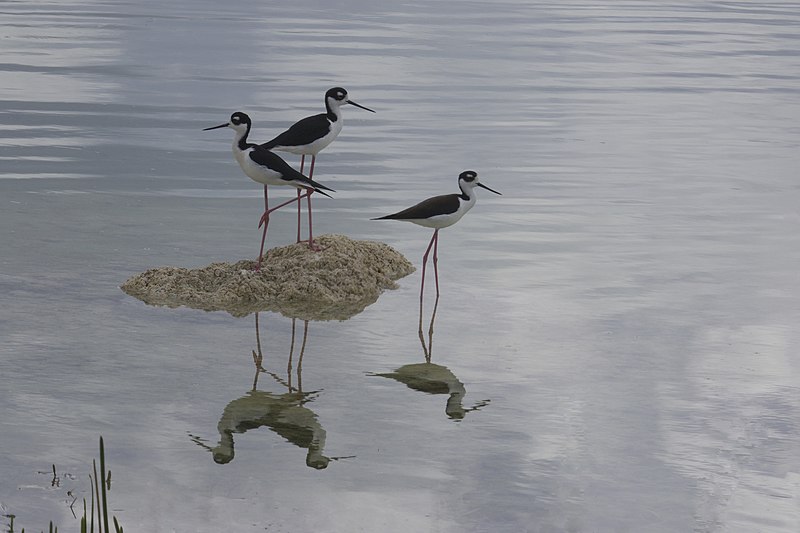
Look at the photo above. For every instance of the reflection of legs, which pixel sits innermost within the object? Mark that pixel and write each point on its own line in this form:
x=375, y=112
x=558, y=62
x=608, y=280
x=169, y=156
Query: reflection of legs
x=291, y=354
x=300, y=359
x=258, y=357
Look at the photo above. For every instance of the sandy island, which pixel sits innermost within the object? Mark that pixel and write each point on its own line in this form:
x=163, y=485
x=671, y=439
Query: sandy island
x=334, y=284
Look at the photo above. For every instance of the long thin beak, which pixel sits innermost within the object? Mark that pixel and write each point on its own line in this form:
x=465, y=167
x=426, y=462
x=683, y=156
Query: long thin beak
x=488, y=189
x=216, y=127
x=359, y=105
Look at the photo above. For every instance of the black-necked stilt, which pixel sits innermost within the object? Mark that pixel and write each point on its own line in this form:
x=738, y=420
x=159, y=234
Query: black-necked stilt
x=440, y=212
x=267, y=168
x=312, y=134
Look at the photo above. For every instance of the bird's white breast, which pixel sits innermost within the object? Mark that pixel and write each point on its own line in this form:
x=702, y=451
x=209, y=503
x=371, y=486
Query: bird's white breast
x=253, y=170
x=444, y=221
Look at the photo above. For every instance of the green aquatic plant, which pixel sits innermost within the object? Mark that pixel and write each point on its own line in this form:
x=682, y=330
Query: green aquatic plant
x=99, y=485
x=52, y=529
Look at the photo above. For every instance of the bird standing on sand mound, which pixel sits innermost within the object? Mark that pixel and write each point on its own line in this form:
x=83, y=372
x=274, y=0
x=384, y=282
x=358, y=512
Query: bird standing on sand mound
x=267, y=168
x=310, y=135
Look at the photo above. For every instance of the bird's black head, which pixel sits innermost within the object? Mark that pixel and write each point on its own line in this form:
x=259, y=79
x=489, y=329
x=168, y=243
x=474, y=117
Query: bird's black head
x=469, y=179
x=239, y=118
x=239, y=122
x=468, y=175
x=337, y=93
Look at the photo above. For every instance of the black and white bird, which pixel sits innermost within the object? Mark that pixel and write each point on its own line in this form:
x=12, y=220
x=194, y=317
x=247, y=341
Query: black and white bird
x=440, y=212
x=311, y=135
x=267, y=168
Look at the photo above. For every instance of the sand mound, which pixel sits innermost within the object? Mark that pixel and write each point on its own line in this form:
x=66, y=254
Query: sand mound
x=333, y=284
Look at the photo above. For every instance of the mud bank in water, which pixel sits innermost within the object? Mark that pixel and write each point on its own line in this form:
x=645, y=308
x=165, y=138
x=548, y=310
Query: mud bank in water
x=334, y=284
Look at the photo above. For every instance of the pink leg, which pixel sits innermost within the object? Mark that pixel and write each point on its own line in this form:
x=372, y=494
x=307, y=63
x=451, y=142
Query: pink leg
x=311, y=170
x=298, y=215
x=436, y=260
x=425, y=264
x=265, y=216
x=302, y=164
x=310, y=225
x=265, y=221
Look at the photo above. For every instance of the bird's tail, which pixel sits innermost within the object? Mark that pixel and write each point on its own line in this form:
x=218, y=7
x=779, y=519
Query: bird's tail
x=323, y=193
x=320, y=188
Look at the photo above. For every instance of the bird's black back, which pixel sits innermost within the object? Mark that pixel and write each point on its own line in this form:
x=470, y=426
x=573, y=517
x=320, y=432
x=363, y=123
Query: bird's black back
x=438, y=205
x=302, y=132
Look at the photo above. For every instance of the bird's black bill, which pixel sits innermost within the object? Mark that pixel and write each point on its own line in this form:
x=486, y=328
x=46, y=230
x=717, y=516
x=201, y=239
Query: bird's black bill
x=359, y=105
x=216, y=127
x=488, y=189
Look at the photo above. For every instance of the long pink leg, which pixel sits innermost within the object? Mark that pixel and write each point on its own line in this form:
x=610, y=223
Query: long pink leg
x=265, y=221
x=302, y=164
x=287, y=202
x=436, y=261
x=310, y=224
x=424, y=265
x=310, y=227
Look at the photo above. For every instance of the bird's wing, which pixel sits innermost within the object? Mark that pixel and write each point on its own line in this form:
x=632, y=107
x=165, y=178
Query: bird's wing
x=276, y=163
x=302, y=132
x=437, y=205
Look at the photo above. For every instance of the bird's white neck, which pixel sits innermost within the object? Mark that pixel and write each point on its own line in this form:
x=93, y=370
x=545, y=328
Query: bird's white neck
x=467, y=192
x=240, y=143
x=334, y=108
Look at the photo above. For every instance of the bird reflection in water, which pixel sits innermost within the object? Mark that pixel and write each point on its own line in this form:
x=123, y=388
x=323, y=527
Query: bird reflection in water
x=432, y=378
x=286, y=414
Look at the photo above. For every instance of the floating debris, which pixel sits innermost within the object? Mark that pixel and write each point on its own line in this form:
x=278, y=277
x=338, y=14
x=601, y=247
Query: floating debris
x=333, y=284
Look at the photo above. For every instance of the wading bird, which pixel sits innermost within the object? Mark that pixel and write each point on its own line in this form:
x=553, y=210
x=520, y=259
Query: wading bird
x=267, y=168
x=311, y=135
x=440, y=212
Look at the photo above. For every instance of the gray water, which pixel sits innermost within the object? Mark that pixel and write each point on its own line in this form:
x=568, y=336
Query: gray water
x=615, y=347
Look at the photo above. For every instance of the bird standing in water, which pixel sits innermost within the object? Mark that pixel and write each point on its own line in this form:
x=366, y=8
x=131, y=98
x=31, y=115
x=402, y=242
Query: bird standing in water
x=440, y=212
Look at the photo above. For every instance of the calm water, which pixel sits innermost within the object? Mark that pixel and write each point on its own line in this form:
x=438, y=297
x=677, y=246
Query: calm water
x=615, y=348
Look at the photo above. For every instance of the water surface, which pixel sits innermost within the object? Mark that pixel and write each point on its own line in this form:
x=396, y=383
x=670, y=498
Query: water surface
x=623, y=317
